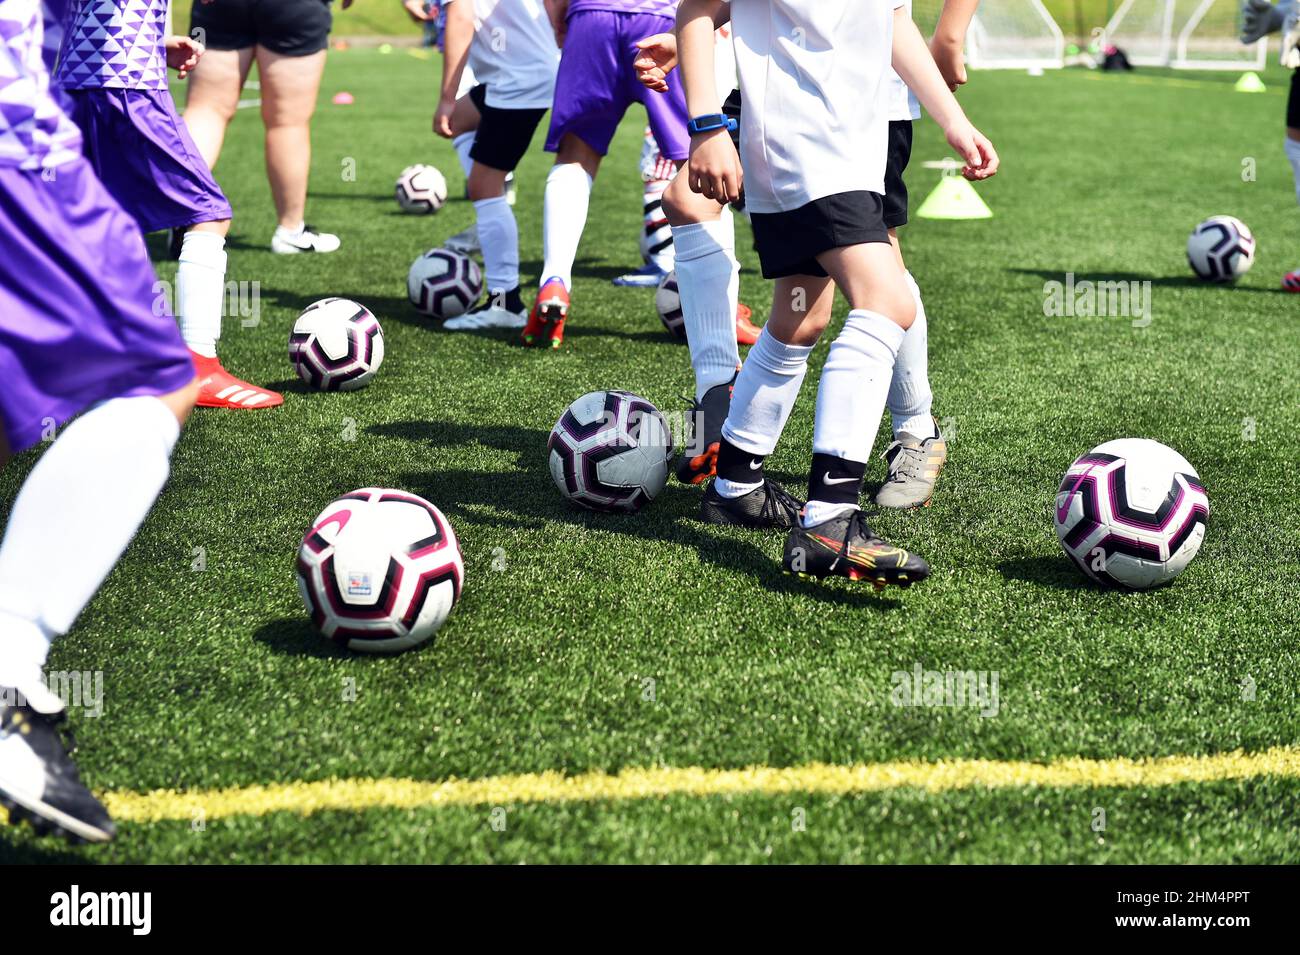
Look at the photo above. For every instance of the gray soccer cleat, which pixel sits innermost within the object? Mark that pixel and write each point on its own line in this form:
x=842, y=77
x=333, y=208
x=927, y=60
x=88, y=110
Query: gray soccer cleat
x=465, y=242
x=914, y=466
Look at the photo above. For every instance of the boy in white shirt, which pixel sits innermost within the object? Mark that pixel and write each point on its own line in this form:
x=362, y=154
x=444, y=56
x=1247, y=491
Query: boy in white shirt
x=814, y=78
x=510, y=46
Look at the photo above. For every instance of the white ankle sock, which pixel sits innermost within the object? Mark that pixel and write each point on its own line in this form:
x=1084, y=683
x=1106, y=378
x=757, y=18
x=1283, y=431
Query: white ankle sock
x=462, y=144
x=498, y=234
x=708, y=277
x=734, y=489
x=1293, y=153
x=765, y=393
x=910, y=398
x=568, y=193
x=855, y=381
x=815, y=512
x=201, y=290
x=73, y=517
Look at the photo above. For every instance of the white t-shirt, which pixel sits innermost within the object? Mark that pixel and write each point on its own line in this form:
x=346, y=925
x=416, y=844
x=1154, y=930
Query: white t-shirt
x=814, y=78
x=514, y=53
x=903, y=104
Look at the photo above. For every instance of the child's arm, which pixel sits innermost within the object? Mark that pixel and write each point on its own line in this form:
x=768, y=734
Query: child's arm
x=913, y=62
x=714, y=166
x=558, y=11
x=949, y=38
x=457, y=36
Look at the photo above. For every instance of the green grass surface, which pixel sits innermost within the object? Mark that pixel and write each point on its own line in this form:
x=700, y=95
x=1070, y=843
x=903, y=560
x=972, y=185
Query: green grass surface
x=215, y=679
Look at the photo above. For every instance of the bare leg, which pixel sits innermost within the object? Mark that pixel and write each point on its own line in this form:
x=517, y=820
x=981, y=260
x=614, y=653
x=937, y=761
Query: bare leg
x=290, y=85
x=212, y=98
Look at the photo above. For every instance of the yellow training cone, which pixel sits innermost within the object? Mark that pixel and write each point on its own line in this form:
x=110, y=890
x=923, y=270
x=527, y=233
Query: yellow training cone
x=1249, y=83
x=954, y=198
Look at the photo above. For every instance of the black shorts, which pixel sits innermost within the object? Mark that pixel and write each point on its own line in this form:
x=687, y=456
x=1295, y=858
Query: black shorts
x=1293, y=102
x=503, y=135
x=788, y=243
x=287, y=27
x=900, y=151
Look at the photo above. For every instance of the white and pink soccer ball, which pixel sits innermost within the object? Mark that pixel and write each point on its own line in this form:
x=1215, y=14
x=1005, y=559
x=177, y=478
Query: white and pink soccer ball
x=421, y=189
x=668, y=303
x=1131, y=513
x=336, y=345
x=380, y=570
x=609, y=451
x=1221, y=249
x=443, y=283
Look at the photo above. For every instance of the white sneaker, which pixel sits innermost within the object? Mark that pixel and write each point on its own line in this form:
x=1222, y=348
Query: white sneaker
x=465, y=242
x=490, y=316
x=306, y=239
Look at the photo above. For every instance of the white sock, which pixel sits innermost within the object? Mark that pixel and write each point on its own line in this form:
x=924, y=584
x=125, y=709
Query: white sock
x=462, y=144
x=708, y=277
x=1293, y=153
x=854, y=385
x=815, y=512
x=658, y=233
x=909, y=393
x=201, y=290
x=73, y=517
x=293, y=233
x=568, y=193
x=765, y=393
x=498, y=234
x=734, y=489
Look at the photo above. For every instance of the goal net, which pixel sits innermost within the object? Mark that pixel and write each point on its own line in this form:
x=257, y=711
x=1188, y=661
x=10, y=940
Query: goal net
x=1184, y=34
x=1005, y=34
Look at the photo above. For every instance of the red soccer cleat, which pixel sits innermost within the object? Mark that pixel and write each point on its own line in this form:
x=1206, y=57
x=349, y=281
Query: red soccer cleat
x=218, y=388
x=1291, y=282
x=546, y=320
x=746, y=331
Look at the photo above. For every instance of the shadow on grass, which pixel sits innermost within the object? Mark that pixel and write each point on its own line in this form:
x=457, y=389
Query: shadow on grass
x=1056, y=573
x=525, y=499
x=48, y=850
x=295, y=636
x=1157, y=281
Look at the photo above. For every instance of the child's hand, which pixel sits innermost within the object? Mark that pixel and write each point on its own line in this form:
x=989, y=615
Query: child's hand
x=658, y=58
x=714, y=167
x=442, y=118
x=183, y=54
x=416, y=10
x=974, y=147
x=948, y=57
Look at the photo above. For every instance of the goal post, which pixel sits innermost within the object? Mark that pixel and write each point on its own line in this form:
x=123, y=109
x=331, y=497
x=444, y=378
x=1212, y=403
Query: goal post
x=1183, y=34
x=1014, y=35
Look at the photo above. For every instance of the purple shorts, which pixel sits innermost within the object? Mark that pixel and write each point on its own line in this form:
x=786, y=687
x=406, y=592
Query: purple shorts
x=596, y=84
x=81, y=318
x=144, y=156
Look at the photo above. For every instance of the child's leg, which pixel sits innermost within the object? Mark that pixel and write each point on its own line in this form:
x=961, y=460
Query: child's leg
x=568, y=193
x=769, y=382
x=856, y=377
x=910, y=397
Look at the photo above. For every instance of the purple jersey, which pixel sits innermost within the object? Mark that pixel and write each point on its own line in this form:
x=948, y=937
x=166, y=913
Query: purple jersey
x=659, y=8
x=35, y=133
x=116, y=44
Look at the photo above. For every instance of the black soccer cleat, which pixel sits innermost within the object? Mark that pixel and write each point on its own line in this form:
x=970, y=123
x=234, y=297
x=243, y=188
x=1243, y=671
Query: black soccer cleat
x=846, y=546
x=39, y=783
x=768, y=505
x=699, y=458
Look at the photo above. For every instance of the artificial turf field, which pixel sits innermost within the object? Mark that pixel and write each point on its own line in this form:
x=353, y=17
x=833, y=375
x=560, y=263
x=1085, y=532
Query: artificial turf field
x=588, y=644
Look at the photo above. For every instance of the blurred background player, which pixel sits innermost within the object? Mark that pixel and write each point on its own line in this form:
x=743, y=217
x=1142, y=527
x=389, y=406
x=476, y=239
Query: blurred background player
x=816, y=201
x=515, y=84
x=78, y=336
x=1259, y=18
x=595, y=86
x=141, y=151
x=287, y=39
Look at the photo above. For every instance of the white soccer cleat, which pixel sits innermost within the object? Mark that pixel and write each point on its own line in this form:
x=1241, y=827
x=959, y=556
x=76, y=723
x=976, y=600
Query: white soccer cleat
x=465, y=242
x=306, y=239
x=489, y=316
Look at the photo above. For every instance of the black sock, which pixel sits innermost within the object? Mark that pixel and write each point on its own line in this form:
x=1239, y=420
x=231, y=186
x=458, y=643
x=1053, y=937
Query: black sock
x=737, y=466
x=833, y=480
x=510, y=300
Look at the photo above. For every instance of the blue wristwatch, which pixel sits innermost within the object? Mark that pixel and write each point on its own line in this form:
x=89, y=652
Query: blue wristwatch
x=710, y=123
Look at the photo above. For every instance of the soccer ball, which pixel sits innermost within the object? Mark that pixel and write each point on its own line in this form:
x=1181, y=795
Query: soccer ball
x=1131, y=513
x=336, y=345
x=443, y=283
x=421, y=189
x=1221, y=249
x=609, y=451
x=380, y=570
x=668, y=303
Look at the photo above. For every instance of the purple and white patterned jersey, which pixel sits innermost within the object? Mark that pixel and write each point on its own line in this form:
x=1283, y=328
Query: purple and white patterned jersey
x=662, y=8
x=114, y=44
x=35, y=132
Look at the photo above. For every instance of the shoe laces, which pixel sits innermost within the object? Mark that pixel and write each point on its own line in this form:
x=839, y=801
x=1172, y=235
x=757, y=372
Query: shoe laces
x=905, y=461
x=778, y=502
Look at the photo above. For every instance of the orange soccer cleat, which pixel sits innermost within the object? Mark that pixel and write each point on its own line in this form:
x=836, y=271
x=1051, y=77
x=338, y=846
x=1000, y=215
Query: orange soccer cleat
x=546, y=320
x=218, y=388
x=746, y=331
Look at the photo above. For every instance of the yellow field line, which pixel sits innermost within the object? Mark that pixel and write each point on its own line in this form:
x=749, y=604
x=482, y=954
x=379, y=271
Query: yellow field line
x=360, y=794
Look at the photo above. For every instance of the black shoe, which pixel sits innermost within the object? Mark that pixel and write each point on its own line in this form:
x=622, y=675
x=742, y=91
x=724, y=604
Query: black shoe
x=699, y=459
x=846, y=546
x=768, y=505
x=39, y=782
